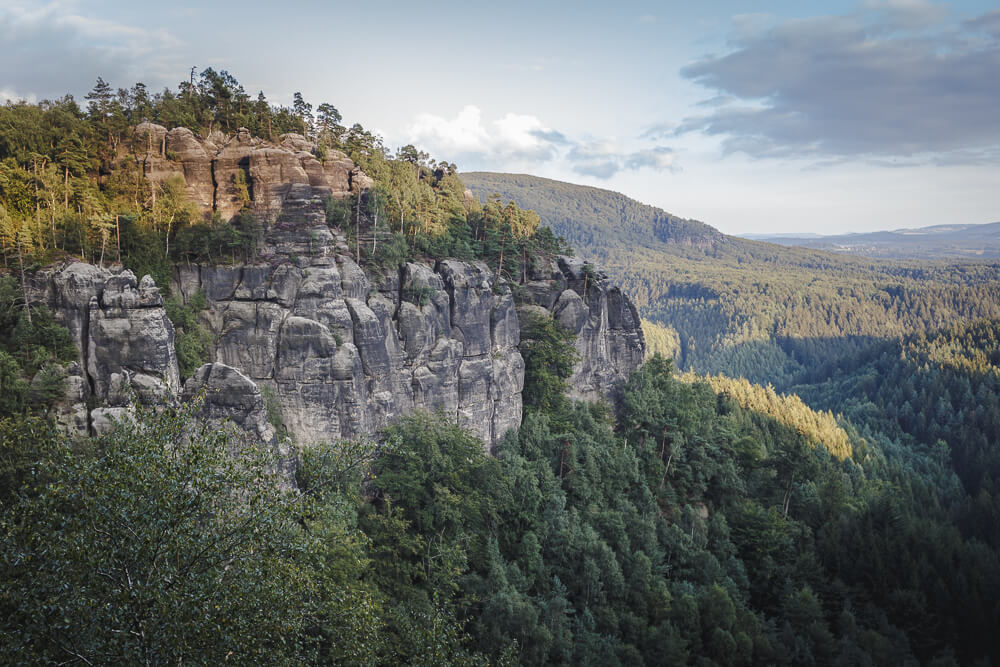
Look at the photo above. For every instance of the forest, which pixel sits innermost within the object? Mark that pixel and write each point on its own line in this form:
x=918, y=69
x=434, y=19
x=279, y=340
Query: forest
x=827, y=496
x=746, y=308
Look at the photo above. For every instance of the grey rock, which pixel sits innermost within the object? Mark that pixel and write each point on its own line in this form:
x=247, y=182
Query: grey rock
x=230, y=397
x=102, y=420
x=129, y=333
x=345, y=354
x=70, y=412
x=609, y=341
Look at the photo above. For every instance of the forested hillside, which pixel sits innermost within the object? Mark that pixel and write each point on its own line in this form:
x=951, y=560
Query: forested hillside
x=699, y=521
x=688, y=528
x=748, y=308
x=936, y=392
x=78, y=183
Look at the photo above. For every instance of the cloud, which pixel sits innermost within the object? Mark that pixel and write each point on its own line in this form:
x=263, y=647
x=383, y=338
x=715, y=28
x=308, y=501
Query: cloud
x=893, y=80
x=660, y=158
x=987, y=23
x=517, y=141
x=50, y=48
x=10, y=95
x=648, y=18
x=514, y=137
x=907, y=14
x=604, y=159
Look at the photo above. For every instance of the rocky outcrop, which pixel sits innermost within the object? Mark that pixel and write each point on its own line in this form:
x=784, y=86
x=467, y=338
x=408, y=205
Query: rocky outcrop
x=130, y=342
x=345, y=358
x=343, y=352
x=609, y=341
x=223, y=174
x=125, y=339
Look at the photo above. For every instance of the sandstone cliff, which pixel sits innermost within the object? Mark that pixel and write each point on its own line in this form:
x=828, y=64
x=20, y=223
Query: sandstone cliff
x=224, y=173
x=341, y=351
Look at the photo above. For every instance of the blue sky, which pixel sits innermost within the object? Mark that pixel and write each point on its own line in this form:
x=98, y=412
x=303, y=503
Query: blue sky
x=753, y=117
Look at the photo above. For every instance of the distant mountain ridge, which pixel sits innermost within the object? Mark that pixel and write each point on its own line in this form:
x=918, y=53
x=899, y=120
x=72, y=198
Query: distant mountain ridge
x=934, y=242
x=579, y=212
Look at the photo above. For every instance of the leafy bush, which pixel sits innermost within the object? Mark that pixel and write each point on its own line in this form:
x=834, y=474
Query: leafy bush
x=192, y=341
x=549, y=356
x=273, y=408
x=174, y=543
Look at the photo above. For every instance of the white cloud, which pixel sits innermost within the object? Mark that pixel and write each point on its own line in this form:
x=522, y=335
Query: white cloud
x=522, y=141
x=463, y=133
x=511, y=137
x=10, y=95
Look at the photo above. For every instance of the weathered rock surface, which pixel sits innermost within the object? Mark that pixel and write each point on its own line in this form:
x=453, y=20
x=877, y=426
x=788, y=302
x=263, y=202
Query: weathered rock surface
x=130, y=342
x=345, y=353
x=609, y=340
x=344, y=356
x=346, y=359
x=125, y=339
x=224, y=173
x=230, y=395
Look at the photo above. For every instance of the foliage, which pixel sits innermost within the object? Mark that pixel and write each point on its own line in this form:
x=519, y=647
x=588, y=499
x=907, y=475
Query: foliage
x=168, y=543
x=31, y=350
x=192, y=340
x=660, y=340
x=549, y=355
x=819, y=427
x=272, y=405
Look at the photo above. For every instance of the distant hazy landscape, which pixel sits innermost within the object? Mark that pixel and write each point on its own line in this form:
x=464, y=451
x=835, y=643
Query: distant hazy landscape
x=937, y=242
x=753, y=308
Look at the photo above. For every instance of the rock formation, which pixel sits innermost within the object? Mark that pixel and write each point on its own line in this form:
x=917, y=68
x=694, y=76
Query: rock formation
x=346, y=357
x=344, y=352
x=609, y=341
x=223, y=174
x=125, y=339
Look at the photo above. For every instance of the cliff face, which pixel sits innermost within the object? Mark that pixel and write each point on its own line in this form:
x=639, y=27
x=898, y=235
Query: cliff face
x=342, y=352
x=609, y=341
x=223, y=173
x=125, y=339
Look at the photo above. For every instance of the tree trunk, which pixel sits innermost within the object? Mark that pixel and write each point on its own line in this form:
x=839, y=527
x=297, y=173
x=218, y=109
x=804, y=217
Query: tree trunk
x=788, y=494
x=357, y=229
x=24, y=282
x=503, y=241
x=52, y=220
x=166, y=249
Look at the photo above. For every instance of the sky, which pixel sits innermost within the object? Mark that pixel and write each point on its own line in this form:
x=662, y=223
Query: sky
x=765, y=117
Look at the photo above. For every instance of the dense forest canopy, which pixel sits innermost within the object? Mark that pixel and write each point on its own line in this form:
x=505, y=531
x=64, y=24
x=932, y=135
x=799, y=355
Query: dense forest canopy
x=703, y=519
